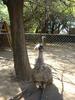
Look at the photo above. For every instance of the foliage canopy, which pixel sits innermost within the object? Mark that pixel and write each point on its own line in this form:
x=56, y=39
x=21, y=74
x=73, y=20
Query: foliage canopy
x=45, y=15
x=3, y=12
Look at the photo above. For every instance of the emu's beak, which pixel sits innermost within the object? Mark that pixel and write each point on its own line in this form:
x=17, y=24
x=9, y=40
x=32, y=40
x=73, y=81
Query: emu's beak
x=36, y=47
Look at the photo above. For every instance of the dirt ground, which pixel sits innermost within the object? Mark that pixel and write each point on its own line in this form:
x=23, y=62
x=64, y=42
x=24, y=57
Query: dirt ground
x=62, y=59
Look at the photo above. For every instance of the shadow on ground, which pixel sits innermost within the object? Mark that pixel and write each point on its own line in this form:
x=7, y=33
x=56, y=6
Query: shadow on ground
x=50, y=93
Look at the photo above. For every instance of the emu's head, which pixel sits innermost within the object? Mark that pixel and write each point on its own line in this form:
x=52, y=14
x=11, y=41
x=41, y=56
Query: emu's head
x=43, y=40
x=39, y=47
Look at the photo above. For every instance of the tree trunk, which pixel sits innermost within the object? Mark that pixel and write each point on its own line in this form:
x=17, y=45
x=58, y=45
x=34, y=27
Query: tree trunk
x=21, y=62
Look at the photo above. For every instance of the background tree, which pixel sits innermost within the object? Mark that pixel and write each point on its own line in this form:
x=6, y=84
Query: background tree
x=46, y=16
x=21, y=62
x=41, y=15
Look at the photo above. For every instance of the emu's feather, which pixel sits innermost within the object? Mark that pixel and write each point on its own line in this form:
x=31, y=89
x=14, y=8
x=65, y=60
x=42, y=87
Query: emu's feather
x=42, y=74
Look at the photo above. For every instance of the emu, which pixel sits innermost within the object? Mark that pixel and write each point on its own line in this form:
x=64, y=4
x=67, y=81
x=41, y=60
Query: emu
x=42, y=74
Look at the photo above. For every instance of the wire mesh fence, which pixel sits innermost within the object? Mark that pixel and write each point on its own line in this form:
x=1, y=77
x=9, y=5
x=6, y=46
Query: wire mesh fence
x=50, y=38
x=35, y=38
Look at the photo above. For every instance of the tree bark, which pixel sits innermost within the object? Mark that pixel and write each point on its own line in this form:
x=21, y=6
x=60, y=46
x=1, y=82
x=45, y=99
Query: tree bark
x=21, y=62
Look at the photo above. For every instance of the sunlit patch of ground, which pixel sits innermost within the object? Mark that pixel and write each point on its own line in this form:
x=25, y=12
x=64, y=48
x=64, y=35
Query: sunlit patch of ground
x=60, y=56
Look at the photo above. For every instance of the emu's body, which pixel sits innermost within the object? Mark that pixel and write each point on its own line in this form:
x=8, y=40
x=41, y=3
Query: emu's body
x=42, y=75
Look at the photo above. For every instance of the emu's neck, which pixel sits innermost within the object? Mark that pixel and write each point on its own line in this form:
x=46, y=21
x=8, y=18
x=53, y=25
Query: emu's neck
x=39, y=61
x=40, y=56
